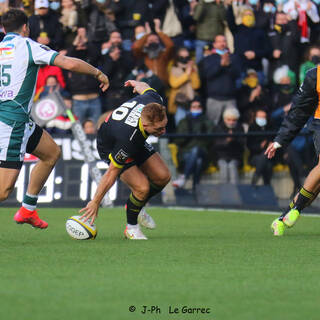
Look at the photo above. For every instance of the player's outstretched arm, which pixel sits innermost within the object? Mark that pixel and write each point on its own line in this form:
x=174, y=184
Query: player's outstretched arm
x=271, y=150
x=107, y=181
x=78, y=65
x=138, y=86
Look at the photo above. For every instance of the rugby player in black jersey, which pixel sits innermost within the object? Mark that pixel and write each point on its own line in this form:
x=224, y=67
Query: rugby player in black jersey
x=305, y=109
x=122, y=143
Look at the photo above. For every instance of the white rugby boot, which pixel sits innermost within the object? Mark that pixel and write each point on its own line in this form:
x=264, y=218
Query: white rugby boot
x=146, y=220
x=134, y=233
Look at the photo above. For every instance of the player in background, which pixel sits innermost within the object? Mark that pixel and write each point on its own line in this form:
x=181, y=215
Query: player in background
x=20, y=59
x=306, y=104
x=122, y=143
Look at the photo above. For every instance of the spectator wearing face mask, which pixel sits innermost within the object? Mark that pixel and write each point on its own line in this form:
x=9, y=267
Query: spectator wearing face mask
x=229, y=150
x=251, y=44
x=251, y=95
x=192, y=152
x=47, y=71
x=269, y=10
x=284, y=87
x=52, y=85
x=156, y=49
x=261, y=16
x=219, y=72
x=45, y=27
x=183, y=79
x=257, y=144
x=284, y=39
x=312, y=60
x=61, y=124
x=139, y=32
x=129, y=14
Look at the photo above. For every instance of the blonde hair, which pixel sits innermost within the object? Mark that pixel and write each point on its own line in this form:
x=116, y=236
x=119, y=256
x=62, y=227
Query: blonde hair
x=154, y=112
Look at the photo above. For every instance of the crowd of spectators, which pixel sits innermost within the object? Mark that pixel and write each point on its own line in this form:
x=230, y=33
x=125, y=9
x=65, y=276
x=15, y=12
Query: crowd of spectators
x=221, y=65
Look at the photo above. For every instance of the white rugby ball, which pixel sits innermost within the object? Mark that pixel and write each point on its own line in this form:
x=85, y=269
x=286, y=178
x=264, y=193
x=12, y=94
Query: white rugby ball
x=80, y=230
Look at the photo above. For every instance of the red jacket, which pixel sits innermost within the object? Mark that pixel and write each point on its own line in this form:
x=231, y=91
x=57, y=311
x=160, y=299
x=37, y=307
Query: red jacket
x=45, y=72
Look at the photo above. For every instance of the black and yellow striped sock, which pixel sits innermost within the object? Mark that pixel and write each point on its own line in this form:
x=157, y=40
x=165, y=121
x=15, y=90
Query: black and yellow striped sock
x=304, y=198
x=154, y=189
x=134, y=206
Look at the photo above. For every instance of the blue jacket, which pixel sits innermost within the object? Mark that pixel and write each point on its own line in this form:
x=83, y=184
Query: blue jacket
x=249, y=39
x=220, y=81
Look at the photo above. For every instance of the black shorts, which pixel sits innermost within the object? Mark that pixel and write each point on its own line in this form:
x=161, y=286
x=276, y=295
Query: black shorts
x=31, y=145
x=143, y=155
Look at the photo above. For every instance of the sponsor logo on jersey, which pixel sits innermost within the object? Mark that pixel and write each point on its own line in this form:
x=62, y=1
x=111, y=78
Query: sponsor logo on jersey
x=6, y=94
x=148, y=146
x=45, y=47
x=7, y=52
x=121, y=156
x=134, y=115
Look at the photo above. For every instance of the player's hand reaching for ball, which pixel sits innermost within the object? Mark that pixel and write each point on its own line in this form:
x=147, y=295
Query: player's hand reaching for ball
x=103, y=79
x=138, y=86
x=90, y=212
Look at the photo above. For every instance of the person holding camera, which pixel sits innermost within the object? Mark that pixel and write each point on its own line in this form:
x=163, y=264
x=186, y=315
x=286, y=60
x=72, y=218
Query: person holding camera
x=155, y=48
x=118, y=64
x=84, y=89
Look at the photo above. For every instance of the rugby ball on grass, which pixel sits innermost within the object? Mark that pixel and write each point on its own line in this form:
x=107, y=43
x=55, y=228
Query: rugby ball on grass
x=77, y=229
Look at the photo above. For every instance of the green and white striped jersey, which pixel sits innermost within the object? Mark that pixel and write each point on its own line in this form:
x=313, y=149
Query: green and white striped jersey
x=20, y=59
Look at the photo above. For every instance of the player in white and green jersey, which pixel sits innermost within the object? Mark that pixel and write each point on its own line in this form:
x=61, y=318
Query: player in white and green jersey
x=20, y=59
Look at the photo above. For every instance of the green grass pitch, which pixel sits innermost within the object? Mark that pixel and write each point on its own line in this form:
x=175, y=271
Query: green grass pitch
x=226, y=261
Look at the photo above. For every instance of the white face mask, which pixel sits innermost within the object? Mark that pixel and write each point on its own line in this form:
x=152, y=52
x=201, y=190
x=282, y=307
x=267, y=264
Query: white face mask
x=261, y=122
x=139, y=35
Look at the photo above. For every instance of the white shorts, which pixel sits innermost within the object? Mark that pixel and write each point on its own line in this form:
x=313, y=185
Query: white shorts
x=14, y=138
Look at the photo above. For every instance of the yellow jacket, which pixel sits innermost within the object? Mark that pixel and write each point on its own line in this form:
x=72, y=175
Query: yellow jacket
x=182, y=82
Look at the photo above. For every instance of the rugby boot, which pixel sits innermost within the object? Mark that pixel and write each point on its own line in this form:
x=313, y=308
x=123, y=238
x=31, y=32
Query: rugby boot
x=134, y=233
x=24, y=215
x=291, y=217
x=179, y=182
x=146, y=220
x=278, y=227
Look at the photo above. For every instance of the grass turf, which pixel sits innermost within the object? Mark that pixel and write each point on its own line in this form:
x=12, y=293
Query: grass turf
x=228, y=262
